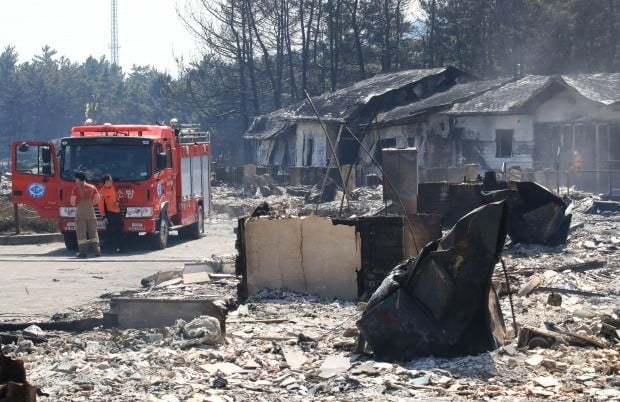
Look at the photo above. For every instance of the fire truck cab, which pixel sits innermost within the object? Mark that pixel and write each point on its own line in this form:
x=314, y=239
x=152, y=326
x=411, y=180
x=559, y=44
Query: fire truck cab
x=161, y=173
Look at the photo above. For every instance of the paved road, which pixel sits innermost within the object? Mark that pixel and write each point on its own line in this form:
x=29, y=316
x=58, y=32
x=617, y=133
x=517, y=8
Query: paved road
x=43, y=279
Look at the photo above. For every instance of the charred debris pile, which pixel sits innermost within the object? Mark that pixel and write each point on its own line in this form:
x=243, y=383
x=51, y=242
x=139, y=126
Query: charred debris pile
x=408, y=304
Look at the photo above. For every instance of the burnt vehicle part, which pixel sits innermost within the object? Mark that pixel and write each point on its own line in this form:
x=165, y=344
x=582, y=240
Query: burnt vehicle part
x=535, y=214
x=442, y=303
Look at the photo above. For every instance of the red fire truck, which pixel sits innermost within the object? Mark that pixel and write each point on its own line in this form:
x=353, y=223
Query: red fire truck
x=162, y=175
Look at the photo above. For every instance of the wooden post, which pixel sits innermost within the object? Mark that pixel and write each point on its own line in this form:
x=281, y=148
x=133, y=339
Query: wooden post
x=558, y=174
x=597, y=158
x=16, y=215
x=572, y=158
x=609, y=159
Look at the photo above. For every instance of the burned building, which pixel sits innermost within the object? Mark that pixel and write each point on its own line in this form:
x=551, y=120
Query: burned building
x=536, y=123
x=293, y=136
x=420, y=124
x=545, y=122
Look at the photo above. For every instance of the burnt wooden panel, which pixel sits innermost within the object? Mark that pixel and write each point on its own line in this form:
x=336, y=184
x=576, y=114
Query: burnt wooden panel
x=433, y=198
x=382, y=249
x=240, y=261
x=400, y=170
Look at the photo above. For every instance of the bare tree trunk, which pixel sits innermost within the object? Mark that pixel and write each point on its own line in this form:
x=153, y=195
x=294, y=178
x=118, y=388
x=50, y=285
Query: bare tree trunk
x=398, y=16
x=386, y=61
x=306, y=31
x=331, y=32
x=337, y=40
x=289, y=50
x=357, y=39
x=458, y=45
x=280, y=19
x=613, y=36
x=249, y=56
x=241, y=65
x=315, y=48
x=266, y=58
x=431, y=38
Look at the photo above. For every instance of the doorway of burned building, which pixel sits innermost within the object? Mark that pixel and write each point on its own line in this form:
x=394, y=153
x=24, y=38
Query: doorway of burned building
x=347, y=149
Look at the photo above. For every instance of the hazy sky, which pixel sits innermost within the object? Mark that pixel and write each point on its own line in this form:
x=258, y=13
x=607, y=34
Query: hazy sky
x=149, y=31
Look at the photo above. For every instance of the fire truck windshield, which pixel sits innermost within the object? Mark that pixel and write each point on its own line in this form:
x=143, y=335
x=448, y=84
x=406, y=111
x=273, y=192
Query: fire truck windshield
x=123, y=162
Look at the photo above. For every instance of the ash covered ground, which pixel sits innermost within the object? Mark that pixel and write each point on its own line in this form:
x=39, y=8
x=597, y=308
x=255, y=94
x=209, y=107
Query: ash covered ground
x=287, y=346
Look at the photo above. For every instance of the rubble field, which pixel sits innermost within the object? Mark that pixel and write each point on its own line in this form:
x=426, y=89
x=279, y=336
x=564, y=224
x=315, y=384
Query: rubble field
x=282, y=345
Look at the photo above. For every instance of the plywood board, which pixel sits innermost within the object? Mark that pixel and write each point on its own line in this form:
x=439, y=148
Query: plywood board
x=308, y=254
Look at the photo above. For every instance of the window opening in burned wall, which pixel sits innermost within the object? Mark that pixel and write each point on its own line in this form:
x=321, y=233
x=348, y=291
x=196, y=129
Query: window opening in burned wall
x=503, y=143
x=308, y=151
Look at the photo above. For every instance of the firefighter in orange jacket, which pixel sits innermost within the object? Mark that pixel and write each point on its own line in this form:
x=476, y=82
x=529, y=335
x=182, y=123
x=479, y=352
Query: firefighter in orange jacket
x=114, y=228
x=84, y=196
x=577, y=161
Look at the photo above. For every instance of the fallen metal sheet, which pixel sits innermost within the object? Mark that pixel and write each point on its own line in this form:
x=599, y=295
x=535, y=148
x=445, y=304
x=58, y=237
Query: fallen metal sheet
x=535, y=214
x=426, y=228
x=442, y=303
x=156, y=313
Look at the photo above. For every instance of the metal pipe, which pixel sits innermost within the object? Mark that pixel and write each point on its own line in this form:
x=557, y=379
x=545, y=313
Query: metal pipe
x=329, y=141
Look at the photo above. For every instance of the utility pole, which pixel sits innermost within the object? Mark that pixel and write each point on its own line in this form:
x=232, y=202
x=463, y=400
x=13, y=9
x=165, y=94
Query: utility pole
x=114, y=37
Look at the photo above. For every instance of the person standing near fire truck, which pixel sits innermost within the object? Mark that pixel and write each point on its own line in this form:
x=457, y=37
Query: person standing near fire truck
x=84, y=196
x=114, y=228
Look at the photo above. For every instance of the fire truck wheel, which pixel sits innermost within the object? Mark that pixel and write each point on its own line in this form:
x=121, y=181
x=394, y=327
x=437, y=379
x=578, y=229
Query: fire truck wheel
x=197, y=228
x=70, y=240
x=159, y=239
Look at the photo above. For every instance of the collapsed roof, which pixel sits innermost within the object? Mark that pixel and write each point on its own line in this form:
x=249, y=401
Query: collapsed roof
x=414, y=92
x=348, y=103
x=514, y=96
x=439, y=101
x=269, y=126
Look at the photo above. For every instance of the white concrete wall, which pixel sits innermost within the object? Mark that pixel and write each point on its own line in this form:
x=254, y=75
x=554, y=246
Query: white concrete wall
x=482, y=128
x=565, y=106
x=306, y=130
x=568, y=106
x=263, y=152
